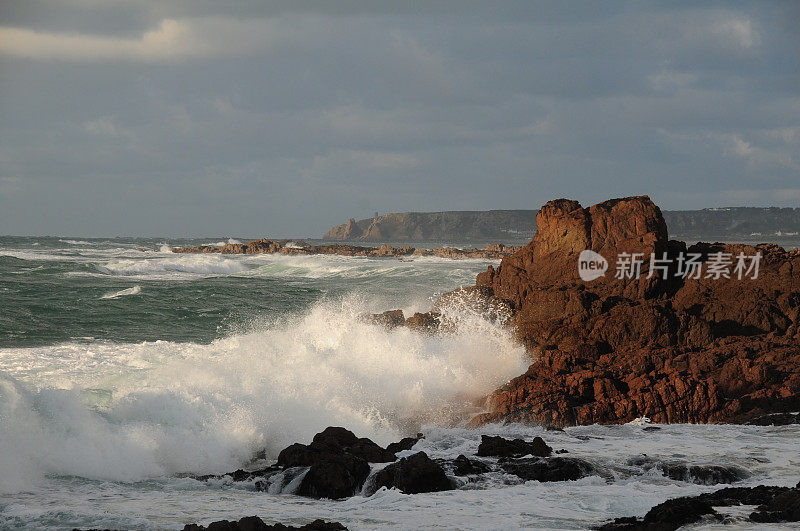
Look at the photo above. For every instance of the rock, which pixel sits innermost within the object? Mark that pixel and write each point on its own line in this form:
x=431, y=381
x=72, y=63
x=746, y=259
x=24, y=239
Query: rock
x=500, y=447
x=334, y=478
x=613, y=349
x=549, y=468
x=784, y=507
x=424, y=322
x=462, y=466
x=412, y=475
x=254, y=523
x=338, y=462
x=776, y=419
x=700, y=474
x=776, y=504
x=389, y=319
x=406, y=443
x=703, y=474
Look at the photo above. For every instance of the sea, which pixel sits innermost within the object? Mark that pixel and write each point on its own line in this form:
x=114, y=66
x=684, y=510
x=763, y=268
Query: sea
x=123, y=373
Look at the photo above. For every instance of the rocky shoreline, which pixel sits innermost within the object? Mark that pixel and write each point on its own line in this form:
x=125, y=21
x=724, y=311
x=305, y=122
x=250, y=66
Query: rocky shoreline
x=292, y=248
x=711, y=347
x=337, y=464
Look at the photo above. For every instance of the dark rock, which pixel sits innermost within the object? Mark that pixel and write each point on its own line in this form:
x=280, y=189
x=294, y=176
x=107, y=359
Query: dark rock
x=703, y=474
x=334, y=478
x=500, y=447
x=462, y=466
x=412, y=475
x=549, y=469
x=776, y=419
x=254, y=523
x=406, y=443
x=667, y=516
x=776, y=504
x=651, y=428
x=784, y=507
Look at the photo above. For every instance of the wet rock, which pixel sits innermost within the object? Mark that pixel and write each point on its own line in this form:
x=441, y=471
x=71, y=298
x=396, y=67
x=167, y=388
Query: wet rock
x=412, y=475
x=776, y=419
x=700, y=474
x=549, y=469
x=784, y=507
x=406, y=443
x=651, y=428
x=424, y=322
x=254, y=523
x=338, y=462
x=389, y=319
x=463, y=466
x=776, y=504
x=703, y=474
x=500, y=447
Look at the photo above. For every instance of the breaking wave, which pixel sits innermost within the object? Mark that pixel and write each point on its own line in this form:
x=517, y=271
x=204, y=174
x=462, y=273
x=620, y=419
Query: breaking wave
x=135, y=290
x=131, y=411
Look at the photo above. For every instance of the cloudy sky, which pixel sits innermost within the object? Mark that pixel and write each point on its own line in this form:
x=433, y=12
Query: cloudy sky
x=194, y=117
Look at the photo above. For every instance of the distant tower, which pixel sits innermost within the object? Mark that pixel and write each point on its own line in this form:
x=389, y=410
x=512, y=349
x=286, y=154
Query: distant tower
x=375, y=217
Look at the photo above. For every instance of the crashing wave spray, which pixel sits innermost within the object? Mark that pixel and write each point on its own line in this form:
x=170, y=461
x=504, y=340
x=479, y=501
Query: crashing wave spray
x=131, y=411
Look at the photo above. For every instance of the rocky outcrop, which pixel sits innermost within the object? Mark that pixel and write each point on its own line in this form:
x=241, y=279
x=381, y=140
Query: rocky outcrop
x=655, y=344
x=775, y=505
x=289, y=247
x=412, y=475
x=500, y=447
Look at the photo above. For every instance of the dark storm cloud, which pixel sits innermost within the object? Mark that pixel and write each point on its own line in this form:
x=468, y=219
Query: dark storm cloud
x=206, y=118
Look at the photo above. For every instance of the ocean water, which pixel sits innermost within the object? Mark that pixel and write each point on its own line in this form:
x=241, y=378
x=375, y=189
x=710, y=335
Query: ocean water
x=121, y=371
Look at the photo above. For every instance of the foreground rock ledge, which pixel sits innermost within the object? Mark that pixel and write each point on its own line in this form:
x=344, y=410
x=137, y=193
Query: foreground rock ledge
x=670, y=348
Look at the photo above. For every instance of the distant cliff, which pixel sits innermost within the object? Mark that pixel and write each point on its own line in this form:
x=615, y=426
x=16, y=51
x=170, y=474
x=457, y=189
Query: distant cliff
x=519, y=225
x=500, y=225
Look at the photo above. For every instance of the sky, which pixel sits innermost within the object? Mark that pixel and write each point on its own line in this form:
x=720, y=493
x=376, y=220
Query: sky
x=283, y=118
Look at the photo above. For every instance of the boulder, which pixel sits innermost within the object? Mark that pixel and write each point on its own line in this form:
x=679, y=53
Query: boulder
x=549, y=468
x=500, y=447
x=412, y=475
x=406, y=443
x=463, y=466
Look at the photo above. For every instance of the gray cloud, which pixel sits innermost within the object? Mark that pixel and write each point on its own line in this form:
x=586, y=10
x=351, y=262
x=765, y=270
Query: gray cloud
x=205, y=118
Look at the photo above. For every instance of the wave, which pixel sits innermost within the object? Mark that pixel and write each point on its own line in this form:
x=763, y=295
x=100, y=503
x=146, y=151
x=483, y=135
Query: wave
x=127, y=412
x=76, y=242
x=135, y=290
x=174, y=266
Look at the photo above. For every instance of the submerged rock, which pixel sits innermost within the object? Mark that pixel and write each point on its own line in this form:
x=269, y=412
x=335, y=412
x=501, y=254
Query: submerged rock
x=700, y=474
x=463, y=466
x=549, y=468
x=775, y=504
x=500, y=447
x=412, y=475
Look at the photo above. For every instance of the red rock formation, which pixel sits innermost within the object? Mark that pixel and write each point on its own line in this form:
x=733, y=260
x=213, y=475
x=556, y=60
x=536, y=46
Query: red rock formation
x=671, y=348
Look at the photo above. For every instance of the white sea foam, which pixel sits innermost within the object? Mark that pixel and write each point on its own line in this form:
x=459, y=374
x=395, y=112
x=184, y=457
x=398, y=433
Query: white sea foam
x=135, y=290
x=173, y=266
x=132, y=411
x=76, y=242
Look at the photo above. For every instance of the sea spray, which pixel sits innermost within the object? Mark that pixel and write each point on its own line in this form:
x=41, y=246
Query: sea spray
x=171, y=407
